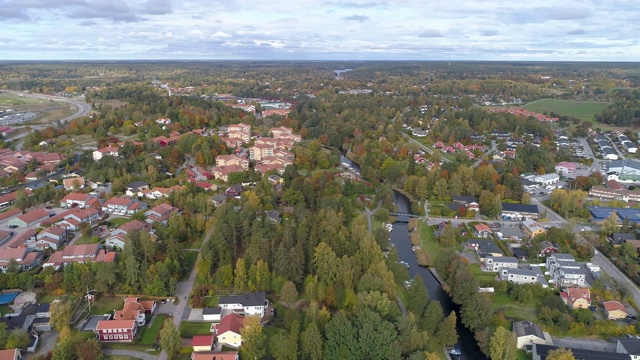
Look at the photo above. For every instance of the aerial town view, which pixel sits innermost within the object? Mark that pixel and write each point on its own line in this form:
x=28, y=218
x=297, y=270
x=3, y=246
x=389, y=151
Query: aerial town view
x=368, y=180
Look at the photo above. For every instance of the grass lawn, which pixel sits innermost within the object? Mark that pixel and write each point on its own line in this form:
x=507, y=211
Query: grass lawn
x=189, y=261
x=211, y=301
x=78, y=337
x=482, y=276
x=190, y=328
x=429, y=243
x=4, y=309
x=522, y=355
x=512, y=310
x=87, y=240
x=583, y=110
x=150, y=334
x=106, y=305
x=118, y=221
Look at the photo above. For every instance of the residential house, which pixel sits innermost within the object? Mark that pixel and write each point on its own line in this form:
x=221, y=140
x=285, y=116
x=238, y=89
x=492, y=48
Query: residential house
x=52, y=237
x=116, y=330
x=117, y=238
x=519, y=211
x=9, y=214
x=25, y=239
x=218, y=200
x=134, y=309
x=228, y=331
x=576, y=298
x=202, y=343
x=485, y=248
x=73, y=183
x=160, y=213
x=482, y=231
x=531, y=275
x=122, y=206
x=540, y=352
x=617, y=239
x=631, y=346
x=137, y=189
x=42, y=318
x=79, y=254
x=531, y=228
x=32, y=218
x=248, y=304
x=547, y=248
x=275, y=179
x=11, y=354
x=273, y=215
x=228, y=160
x=23, y=257
x=615, y=310
x=566, y=168
x=73, y=218
x=107, y=151
x=212, y=314
x=496, y=264
x=528, y=333
x=4, y=236
x=215, y=355
x=79, y=200
x=160, y=192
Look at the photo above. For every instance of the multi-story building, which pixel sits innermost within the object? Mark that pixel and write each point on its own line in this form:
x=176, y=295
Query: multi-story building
x=116, y=330
x=496, y=264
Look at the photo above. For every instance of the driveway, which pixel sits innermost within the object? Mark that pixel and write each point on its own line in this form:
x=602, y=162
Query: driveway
x=132, y=353
x=181, y=311
x=46, y=342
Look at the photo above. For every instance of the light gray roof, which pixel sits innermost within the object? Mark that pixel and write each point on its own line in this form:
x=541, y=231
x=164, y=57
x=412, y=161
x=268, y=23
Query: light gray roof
x=527, y=328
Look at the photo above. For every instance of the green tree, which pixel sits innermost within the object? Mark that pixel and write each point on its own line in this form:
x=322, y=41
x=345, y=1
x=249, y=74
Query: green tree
x=341, y=339
x=502, y=345
x=60, y=314
x=417, y=296
x=64, y=349
x=170, y=340
x=289, y=293
x=432, y=316
x=446, y=334
x=409, y=337
x=240, y=281
x=560, y=354
x=17, y=339
x=89, y=350
x=252, y=339
x=311, y=343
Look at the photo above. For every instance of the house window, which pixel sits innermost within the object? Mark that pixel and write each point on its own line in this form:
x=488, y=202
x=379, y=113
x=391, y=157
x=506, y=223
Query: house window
x=126, y=336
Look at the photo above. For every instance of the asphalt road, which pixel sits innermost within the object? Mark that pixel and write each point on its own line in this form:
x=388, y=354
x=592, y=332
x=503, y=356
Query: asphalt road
x=491, y=149
x=423, y=147
x=83, y=107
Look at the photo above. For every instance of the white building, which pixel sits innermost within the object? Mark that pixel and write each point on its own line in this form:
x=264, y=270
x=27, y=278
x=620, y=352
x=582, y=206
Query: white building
x=533, y=275
x=495, y=264
x=547, y=179
x=249, y=304
x=108, y=151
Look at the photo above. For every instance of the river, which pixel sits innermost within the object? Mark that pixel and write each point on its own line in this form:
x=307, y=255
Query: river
x=400, y=239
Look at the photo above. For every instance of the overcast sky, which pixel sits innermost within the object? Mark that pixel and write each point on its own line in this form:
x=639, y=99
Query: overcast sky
x=320, y=29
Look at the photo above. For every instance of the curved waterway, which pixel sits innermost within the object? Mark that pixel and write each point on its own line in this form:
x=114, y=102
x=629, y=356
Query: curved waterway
x=399, y=237
x=401, y=240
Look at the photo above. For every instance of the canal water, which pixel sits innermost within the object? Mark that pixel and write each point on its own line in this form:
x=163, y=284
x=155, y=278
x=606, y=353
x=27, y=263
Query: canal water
x=399, y=237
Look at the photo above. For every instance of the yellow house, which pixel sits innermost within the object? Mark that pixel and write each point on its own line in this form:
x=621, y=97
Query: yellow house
x=228, y=331
x=576, y=298
x=614, y=310
x=532, y=229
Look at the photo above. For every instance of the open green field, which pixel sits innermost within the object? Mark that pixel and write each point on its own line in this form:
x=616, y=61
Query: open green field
x=583, y=110
x=10, y=100
x=190, y=328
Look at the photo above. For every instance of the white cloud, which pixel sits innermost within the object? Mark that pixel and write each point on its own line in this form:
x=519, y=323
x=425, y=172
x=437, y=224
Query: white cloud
x=221, y=34
x=323, y=29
